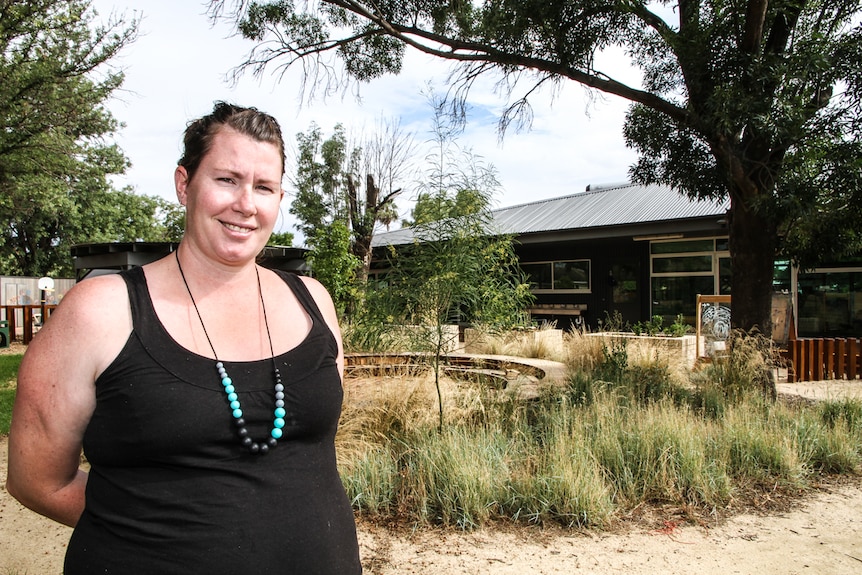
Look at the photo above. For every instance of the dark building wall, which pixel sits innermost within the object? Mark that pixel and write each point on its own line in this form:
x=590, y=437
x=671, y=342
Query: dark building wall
x=619, y=280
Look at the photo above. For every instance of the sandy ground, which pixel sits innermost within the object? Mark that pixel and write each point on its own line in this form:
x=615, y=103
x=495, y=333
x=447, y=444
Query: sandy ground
x=822, y=535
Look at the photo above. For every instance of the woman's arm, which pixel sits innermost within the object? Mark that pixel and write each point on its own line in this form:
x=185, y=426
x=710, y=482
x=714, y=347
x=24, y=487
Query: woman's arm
x=56, y=396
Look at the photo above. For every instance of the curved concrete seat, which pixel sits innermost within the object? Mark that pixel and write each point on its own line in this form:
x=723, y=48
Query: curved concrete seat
x=496, y=368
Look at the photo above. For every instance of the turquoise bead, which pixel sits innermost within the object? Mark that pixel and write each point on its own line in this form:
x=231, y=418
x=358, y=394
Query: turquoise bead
x=279, y=412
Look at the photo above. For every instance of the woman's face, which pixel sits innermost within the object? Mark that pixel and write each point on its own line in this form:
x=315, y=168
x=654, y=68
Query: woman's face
x=233, y=200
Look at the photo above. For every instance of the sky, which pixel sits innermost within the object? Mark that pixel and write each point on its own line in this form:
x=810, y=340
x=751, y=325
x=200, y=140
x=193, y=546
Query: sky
x=179, y=66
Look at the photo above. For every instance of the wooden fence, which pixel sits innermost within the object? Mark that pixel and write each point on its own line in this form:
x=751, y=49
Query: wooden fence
x=25, y=320
x=815, y=359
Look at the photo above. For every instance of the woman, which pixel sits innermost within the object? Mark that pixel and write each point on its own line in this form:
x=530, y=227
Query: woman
x=204, y=390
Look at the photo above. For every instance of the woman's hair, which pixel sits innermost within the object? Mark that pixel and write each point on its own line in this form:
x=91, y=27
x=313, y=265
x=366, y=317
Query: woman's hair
x=251, y=122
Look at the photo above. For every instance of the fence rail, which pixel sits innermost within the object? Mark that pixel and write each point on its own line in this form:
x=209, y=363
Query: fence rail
x=25, y=320
x=815, y=359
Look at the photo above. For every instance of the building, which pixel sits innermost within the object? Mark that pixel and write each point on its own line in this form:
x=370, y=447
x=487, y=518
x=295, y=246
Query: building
x=643, y=251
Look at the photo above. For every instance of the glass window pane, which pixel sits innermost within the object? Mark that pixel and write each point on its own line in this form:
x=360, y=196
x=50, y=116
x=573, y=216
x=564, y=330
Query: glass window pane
x=781, y=276
x=682, y=264
x=572, y=275
x=725, y=276
x=681, y=247
x=678, y=295
x=830, y=304
x=539, y=275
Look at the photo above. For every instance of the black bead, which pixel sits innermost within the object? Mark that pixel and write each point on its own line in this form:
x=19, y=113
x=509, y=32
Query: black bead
x=254, y=447
x=242, y=432
x=240, y=422
x=247, y=441
x=272, y=442
x=264, y=448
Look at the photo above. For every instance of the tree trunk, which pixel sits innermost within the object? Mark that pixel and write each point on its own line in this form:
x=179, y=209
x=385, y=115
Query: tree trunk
x=753, y=241
x=362, y=250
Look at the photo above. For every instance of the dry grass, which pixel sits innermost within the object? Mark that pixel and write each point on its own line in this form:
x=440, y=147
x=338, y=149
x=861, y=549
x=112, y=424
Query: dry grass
x=632, y=426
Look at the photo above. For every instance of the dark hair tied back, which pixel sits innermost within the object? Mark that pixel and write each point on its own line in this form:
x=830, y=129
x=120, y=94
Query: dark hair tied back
x=199, y=134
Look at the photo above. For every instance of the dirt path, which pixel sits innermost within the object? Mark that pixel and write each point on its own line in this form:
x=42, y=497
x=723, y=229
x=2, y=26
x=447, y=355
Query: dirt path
x=821, y=535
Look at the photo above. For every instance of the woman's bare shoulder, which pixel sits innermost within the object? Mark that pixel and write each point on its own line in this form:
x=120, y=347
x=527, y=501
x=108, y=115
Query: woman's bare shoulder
x=91, y=323
x=315, y=287
x=95, y=300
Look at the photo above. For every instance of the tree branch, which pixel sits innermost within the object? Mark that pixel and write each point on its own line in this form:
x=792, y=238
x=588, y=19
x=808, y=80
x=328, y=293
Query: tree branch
x=755, y=18
x=465, y=51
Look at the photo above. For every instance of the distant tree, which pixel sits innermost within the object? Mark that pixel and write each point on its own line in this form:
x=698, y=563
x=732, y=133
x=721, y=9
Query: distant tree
x=281, y=239
x=333, y=265
x=455, y=182
x=355, y=185
x=754, y=100
x=54, y=158
x=319, y=182
x=171, y=218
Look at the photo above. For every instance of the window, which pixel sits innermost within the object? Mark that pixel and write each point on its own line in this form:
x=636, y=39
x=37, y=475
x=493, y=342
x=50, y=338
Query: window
x=781, y=277
x=672, y=296
x=540, y=276
x=569, y=276
x=830, y=302
x=684, y=264
x=686, y=246
x=682, y=269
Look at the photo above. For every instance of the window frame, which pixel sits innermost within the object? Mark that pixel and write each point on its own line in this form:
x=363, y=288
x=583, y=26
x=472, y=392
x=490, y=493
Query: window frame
x=552, y=264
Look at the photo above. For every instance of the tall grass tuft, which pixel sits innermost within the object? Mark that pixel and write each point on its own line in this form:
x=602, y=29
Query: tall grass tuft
x=558, y=479
x=659, y=453
x=748, y=367
x=545, y=342
x=580, y=353
x=455, y=477
x=627, y=429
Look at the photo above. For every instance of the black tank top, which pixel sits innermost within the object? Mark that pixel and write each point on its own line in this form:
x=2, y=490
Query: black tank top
x=171, y=490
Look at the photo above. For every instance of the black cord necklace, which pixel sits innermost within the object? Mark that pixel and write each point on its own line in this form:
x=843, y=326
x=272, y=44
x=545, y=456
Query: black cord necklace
x=275, y=434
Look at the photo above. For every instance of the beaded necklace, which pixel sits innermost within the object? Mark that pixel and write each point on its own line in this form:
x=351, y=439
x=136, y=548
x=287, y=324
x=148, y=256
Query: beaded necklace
x=245, y=439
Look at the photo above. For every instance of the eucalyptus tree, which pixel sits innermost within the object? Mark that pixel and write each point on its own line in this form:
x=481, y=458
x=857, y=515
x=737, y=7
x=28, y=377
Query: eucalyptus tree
x=55, y=78
x=755, y=100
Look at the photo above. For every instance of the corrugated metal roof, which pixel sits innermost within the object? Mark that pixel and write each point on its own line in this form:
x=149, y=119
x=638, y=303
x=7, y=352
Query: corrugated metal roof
x=617, y=205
